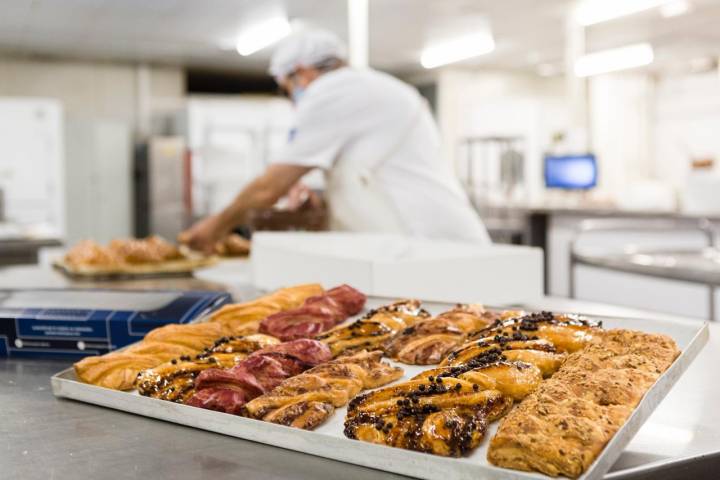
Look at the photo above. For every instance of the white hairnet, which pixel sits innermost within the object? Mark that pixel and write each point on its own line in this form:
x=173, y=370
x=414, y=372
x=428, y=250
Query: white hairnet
x=305, y=49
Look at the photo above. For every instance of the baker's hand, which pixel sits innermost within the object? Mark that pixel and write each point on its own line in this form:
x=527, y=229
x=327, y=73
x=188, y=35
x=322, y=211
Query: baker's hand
x=204, y=234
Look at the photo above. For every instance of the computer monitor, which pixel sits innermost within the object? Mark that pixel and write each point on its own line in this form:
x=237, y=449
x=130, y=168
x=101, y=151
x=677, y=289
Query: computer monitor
x=571, y=172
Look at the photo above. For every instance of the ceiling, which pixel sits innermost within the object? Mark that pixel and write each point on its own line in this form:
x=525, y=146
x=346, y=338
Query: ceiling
x=198, y=33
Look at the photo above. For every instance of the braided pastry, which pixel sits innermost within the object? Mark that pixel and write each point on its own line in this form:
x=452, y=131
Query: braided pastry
x=306, y=400
x=245, y=318
x=428, y=341
x=371, y=331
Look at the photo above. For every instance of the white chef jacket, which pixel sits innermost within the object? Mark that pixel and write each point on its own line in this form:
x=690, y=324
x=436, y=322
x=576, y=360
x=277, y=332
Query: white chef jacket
x=371, y=120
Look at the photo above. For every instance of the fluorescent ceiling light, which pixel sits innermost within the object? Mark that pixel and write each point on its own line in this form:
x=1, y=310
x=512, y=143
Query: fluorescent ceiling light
x=457, y=49
x=675, y=9
x=590, y=12
x=261, y=35
x=614, y=60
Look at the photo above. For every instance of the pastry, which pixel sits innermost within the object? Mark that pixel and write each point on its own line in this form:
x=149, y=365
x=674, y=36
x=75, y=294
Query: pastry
x=448, y=419
x=518, y=347
x=196, y=336
x=152, y=249
x=245, y=318
x=375, y=328
x=90, y=253
x=307, y=400
x=175, y=380
x=116, y=370
x=172, y=341
x=567, y=333
x=427, y=342
x=228, y=389
x=316, y=315
x=563, y=426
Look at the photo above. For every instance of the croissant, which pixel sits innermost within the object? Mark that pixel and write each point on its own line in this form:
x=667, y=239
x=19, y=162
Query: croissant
x=372, y=330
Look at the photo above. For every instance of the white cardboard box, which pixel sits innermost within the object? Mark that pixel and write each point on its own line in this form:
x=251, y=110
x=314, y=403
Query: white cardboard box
x=395, y=266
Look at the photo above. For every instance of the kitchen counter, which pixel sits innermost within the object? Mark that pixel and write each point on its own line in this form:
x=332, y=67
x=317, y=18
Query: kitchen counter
x=701, y=266
x=594, y=211
x=14, y=251
x=42, y=437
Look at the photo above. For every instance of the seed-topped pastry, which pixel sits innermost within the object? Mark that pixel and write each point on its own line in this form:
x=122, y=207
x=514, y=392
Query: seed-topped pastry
x=563, y=426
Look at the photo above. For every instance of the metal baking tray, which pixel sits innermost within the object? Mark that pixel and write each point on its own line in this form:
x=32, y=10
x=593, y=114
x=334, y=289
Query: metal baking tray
x=328, y=440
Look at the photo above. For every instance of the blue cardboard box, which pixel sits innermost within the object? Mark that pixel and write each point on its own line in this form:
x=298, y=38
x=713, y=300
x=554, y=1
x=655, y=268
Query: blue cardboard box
x=76, y=323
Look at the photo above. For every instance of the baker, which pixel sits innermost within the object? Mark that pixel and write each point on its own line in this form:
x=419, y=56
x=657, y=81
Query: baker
x=376, y=141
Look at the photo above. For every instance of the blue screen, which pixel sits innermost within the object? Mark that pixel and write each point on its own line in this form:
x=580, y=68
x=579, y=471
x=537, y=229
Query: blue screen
x=576, y=172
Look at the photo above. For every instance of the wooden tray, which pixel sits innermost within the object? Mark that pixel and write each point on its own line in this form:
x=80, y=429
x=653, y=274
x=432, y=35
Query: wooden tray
x=175, y=268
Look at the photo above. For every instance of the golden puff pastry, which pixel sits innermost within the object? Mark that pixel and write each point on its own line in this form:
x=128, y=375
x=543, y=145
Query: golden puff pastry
x=116, y=370
x=196, y=336
x=245, y=318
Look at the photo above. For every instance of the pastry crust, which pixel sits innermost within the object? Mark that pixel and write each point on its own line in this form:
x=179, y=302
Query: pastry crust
x=567, y=333
x=174, y=380
x=374, y=329
x=562, y=427
x=175, y=340
x=196, y=336
x=307, y=400
x=245, y=318
x=446, y=418
x=117, y=370
x=427, y=342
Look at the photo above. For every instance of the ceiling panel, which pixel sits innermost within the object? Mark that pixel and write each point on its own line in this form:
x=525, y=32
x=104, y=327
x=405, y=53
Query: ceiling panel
x=192, y=32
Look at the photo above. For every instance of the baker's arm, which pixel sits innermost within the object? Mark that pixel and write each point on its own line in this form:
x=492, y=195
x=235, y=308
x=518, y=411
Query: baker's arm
x=262, y=192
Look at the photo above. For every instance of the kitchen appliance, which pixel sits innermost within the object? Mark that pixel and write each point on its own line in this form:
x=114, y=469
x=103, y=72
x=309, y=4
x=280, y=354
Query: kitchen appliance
x=160, y=187
x=571, y=172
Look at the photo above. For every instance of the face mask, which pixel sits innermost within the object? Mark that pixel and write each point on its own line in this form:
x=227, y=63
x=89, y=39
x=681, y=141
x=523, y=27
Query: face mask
x=297, y=94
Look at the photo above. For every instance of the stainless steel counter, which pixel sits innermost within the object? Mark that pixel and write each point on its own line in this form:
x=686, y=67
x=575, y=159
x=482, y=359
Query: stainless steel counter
x=701, y=266
x=17, y=251
x=42, y=437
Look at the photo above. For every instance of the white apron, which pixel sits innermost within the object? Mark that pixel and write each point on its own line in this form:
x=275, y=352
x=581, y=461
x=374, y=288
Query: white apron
x=356, y=199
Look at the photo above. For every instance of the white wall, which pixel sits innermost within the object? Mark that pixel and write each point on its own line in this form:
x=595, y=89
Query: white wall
x=472, y=102
x=620, y=126
x=687, y=123
x=105, y=104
